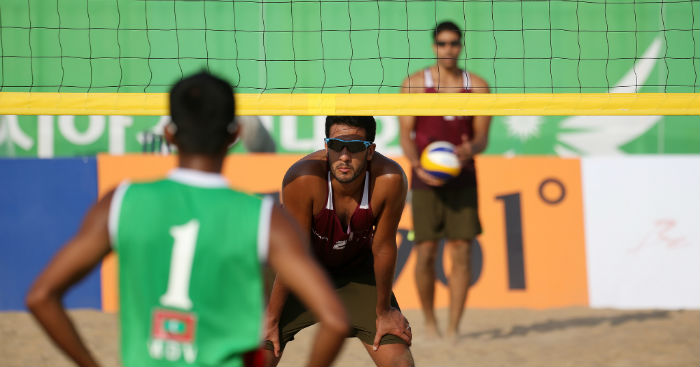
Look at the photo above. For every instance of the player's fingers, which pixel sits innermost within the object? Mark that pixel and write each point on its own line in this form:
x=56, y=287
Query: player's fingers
x=377, y=338
x=409, y=333
x=405, y=337
x=276, y=347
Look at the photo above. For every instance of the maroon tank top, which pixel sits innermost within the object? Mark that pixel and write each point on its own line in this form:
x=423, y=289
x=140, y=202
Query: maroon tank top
x=445, y=128
x=339, y=249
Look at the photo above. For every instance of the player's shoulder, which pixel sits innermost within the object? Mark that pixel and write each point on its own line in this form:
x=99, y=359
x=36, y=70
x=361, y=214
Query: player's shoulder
x=145, y=185
x=414, y=81
x=478, y=84
x=309, y=170
x=387, y=171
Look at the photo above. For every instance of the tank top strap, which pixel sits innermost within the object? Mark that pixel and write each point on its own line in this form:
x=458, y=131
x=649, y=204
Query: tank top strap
x=428, y=78
x=364, y=204
x=329, y=202
x=467, y=80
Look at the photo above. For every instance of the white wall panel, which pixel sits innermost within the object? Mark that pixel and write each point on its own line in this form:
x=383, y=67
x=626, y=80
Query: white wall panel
x=642, y=225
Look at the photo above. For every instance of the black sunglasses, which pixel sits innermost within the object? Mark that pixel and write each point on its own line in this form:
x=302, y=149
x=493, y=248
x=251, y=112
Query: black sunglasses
x=452, y=43
x=354, y=146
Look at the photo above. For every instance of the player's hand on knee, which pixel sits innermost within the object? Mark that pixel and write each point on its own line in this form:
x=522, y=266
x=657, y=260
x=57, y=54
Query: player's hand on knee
x=392, y=322
x=272, y=334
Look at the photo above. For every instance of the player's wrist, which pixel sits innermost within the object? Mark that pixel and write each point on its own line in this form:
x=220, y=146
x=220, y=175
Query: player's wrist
x=382, y=311
x=272, y=317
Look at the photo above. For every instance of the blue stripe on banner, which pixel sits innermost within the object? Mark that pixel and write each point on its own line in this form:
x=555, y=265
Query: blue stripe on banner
x=42, y=203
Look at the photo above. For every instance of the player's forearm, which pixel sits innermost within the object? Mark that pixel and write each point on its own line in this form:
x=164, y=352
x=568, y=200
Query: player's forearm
x=409, y=150
x=49, y=312
x=407, y=144
x=278, y=296
x=384, y=263
x=477, y=146
x=481, y=138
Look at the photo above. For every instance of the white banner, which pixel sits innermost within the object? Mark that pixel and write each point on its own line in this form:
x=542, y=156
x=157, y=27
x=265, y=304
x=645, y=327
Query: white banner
x=642, y=225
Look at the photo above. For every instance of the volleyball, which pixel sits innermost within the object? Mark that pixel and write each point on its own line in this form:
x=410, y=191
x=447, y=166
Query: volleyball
x=439, y=159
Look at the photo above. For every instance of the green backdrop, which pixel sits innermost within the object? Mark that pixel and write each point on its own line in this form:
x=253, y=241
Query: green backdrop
x=355, y=46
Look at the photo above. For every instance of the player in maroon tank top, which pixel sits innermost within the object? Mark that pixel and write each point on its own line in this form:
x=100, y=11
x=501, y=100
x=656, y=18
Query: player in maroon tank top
x=444, y=209
x=351, y=209
x=344, y=247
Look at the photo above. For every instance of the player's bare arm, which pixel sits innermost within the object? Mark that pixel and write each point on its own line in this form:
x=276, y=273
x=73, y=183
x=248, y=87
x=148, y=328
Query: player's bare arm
x=482, y=124
x=302, y=189
x=75, y=260
x=389, y=197
x=406, y=126
x=291, y=259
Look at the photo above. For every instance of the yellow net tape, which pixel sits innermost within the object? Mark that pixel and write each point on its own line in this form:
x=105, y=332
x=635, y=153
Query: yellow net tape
x=419, y=104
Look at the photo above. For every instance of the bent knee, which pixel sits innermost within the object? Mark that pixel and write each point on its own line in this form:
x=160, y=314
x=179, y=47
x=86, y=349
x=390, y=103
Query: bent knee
x=404, y=359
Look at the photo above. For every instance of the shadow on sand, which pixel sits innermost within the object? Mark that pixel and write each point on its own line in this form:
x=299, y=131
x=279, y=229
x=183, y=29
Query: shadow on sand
x=575, y=322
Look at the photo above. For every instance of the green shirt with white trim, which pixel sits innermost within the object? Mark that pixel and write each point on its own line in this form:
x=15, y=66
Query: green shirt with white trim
x=190, y=279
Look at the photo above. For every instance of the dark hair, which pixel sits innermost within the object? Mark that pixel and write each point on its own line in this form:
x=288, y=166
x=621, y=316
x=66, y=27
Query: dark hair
x=202, y=108
x=365, y=122
x=446, y=26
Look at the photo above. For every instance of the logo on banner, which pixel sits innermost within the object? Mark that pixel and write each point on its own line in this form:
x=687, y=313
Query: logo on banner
x=582, y=135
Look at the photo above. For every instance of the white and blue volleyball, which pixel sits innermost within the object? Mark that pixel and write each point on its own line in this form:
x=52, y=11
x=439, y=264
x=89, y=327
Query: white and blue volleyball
x=440, y=160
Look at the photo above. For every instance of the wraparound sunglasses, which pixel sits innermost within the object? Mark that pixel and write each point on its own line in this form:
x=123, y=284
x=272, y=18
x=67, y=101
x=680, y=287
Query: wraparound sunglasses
x=354, y=146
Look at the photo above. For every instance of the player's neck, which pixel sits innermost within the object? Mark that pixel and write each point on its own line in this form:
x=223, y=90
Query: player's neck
x=348, y=188
x=445, y=71
x=201, y=162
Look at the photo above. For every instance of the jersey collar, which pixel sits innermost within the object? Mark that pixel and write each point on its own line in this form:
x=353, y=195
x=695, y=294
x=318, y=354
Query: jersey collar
x=198, y=178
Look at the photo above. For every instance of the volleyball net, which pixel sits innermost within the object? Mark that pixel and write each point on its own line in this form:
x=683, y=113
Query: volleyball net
x=540, y=57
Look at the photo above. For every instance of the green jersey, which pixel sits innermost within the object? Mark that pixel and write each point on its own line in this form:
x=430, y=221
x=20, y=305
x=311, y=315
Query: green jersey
x=190, y=279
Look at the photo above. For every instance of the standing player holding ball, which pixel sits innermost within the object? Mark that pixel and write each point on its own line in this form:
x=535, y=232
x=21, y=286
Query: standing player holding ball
x=444, y=208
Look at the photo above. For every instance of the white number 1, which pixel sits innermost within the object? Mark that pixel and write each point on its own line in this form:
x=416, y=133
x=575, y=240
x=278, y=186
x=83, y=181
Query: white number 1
x=185, y=237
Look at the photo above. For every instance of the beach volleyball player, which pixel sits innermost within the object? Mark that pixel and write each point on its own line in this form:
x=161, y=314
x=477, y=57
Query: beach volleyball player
x=444, y=209
x=349, y=199
x=190, y=251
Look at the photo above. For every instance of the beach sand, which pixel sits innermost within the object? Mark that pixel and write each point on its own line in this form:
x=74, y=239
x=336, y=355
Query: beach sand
x=510, y=337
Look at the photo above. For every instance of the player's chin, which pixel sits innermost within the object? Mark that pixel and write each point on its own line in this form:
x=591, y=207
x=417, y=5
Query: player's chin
x=448, y=64
x=344, y=177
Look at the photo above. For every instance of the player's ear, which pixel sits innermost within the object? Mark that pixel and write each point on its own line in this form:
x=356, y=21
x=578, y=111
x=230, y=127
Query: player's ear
x=169, y=133
x=234, y=130
x=370, y=151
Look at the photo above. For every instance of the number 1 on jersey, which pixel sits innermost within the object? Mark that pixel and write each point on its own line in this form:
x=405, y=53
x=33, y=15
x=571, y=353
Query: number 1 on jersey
x=185, y=237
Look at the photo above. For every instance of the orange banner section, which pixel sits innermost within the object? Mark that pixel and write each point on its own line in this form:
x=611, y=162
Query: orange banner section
x=531, y=253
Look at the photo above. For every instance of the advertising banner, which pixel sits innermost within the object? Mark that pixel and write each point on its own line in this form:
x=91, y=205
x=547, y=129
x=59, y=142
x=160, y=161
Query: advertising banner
x=558, y=232
x=42, y=204
x=530, y=209
x=531, y=253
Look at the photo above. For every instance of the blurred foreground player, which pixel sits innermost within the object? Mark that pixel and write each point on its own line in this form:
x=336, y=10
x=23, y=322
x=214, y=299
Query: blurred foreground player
x=190, y=252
